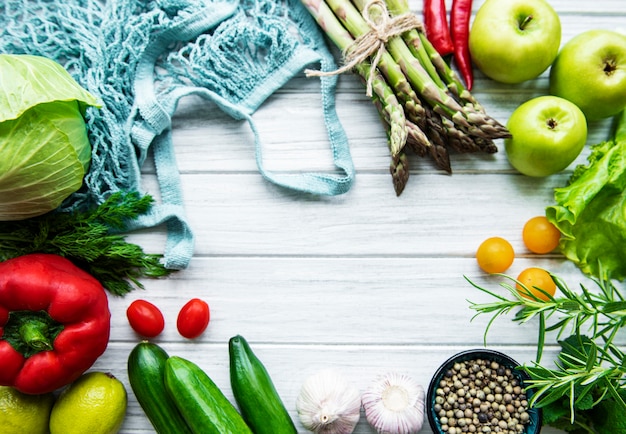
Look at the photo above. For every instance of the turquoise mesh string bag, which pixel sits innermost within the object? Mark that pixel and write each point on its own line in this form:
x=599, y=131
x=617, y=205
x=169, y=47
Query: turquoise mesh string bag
x=141, y=57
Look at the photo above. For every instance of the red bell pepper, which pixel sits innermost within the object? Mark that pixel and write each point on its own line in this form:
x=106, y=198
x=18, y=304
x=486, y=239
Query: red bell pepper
x=54, y=322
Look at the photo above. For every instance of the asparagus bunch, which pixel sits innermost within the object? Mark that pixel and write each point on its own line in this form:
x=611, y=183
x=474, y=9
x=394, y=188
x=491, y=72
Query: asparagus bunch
x=424, y=105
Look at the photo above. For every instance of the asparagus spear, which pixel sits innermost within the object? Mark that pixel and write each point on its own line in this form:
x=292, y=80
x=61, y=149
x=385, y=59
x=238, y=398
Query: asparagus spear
x=475, y=122
x=457, y=139
x=354, y=22
x=413, y=108
x=420, y=42
x=385, y=100
x=418, y=141
x=419, y=97
x=421, y=48
x=398, y=166
x=344, y=40
x=399, y=169
x=437, y=152
x=391, y=110
x=425, y=130
x=439, y=128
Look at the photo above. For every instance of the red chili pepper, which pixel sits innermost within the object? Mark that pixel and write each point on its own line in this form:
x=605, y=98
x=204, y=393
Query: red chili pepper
x=54, y=322
x=459, y=24
x=436, y=25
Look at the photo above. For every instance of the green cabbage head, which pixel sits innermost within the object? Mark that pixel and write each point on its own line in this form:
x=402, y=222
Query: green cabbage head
x=44, y=149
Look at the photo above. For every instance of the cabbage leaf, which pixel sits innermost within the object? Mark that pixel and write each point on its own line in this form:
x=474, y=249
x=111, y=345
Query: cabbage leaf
x=44, y=147
x=27, y=81
x=590, y=211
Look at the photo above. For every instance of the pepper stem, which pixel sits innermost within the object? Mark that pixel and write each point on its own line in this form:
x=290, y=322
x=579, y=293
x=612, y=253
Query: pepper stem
x=35, y=334
x=31, y=332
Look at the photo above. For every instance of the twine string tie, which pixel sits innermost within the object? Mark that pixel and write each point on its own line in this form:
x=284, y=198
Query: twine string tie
x=372, y=43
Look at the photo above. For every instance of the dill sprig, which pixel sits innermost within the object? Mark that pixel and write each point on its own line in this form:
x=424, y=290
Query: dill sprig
x=92, y=239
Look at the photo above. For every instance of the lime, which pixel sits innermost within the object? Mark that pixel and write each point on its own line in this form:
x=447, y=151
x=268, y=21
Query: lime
x=94, y=404
x=24, y=414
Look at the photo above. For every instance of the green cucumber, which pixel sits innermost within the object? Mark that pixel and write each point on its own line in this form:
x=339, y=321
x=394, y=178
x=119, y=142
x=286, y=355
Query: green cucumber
x=146, y=370
x=200, y=401
x=258, y=400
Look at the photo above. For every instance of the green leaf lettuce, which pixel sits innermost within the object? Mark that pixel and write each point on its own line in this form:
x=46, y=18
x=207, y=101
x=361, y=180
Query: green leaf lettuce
x=590, y=211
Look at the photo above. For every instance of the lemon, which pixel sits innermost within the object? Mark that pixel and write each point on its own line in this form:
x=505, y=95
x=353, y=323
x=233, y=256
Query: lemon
x=24, y=414
x=94, y=404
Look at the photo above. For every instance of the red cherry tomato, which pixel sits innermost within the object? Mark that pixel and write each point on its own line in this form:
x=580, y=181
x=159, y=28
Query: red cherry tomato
x=193, y=318
x=145, y=318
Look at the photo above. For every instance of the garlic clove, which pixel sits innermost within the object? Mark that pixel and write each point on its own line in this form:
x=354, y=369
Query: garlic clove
x=328, y=403
x=394, y=404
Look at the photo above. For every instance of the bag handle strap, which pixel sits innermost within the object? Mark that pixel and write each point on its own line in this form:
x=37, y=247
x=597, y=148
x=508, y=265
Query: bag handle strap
x=312, y=182
x=155, y=131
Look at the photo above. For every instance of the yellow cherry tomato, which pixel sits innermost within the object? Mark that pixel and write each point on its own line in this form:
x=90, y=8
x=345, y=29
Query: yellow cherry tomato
x=534, y=278
x=495, y=255
x=540, y=236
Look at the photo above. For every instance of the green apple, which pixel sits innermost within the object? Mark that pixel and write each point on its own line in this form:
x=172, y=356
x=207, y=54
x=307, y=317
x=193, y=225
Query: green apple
x=512, y=41
x=590, y=71
x=548, y=133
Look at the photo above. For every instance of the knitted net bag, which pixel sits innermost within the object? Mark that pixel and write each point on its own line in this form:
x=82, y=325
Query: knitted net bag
x=141, y=57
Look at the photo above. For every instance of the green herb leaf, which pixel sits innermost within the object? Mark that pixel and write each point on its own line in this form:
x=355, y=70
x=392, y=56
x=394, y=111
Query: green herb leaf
x=91, y=239
x=608, y=417
x=590, y=369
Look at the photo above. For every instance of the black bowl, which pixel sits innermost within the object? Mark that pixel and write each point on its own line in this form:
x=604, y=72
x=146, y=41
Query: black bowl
x=534, y=424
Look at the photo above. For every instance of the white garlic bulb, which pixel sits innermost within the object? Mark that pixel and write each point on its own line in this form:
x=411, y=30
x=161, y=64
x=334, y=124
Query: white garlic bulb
x=394, y=404
x=328, y=403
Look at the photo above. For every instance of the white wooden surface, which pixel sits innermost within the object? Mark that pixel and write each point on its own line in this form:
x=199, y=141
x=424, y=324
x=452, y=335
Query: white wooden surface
x=367, y=282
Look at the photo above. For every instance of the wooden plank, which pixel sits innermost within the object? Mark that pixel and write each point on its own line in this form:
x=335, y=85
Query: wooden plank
x=342, y=301
x=436, y=215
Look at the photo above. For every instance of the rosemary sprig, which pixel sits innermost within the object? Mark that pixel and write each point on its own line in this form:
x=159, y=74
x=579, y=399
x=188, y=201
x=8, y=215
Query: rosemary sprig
x=590, y=371
x=584, y=370
x=604, y=310
x=92, y=239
